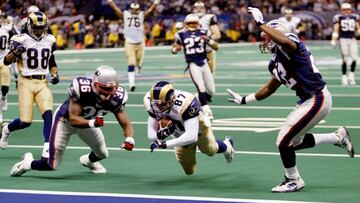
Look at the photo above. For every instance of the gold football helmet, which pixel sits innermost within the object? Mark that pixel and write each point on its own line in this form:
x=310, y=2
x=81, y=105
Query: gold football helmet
x=37, y=25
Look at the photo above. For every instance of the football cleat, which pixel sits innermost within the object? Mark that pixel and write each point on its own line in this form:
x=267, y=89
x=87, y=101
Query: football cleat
x=4, y=104
x=22, y=166
x=344, y=80
x=345, y=140
x=5, y=133
x=351, y=78
x=94, y=167
x=289, y=185
x=230, y=151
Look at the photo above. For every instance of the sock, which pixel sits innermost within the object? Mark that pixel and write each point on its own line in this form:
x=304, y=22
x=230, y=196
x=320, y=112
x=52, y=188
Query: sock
x=41, y=165
x=288, y=156
x=131, y=76
x=17, y=124
x=222, y=146
x=4, y=90
x=292, y=173
x=353, y=66
x=45, y=152
x=93, y=157
x=307, y=142
x=326, y=138
x=203, y=99
x=343, y=68
x=47, y=117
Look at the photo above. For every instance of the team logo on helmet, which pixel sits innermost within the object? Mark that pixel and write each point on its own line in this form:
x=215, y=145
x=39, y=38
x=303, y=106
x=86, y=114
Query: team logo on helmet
x=105, y=82
x=37, y=25
x=162, y=97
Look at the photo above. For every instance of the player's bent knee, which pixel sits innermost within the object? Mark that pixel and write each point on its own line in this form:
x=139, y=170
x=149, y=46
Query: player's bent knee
x=103, y=154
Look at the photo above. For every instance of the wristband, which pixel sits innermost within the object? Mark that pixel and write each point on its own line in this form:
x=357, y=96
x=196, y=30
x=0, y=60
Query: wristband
x=249, y=98
x=130, y=140
x=211, y=42
x=92, y=123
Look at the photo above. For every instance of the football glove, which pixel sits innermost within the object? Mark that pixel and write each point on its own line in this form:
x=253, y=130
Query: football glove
x=157, y=144
x=236, y=98
x=128, y=144
x=166, y=131
x=54, y=79
x=156, y=2
x=19, y=50
x=256, y=13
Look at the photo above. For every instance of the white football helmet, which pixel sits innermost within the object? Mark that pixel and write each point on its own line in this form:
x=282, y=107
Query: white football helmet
x=105, y=82
x=192, y=22
x=267, y=45
x=199, y=9
x=33, y=9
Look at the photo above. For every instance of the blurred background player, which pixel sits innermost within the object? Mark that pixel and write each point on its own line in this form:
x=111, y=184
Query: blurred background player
x=189, y=127
x=292, y=22
x=293, y=66
x=208, y=22
x=195, y=42
x=346, y=27
x=101, y=94
x=33, y=52
x=134, y=36
x=6, y=32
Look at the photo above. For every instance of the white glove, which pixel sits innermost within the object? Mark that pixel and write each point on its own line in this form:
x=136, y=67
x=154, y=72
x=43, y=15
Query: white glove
x=256, y=13
x=109, y=1
x=333, y=43
x=157, y=2
x=236, y=98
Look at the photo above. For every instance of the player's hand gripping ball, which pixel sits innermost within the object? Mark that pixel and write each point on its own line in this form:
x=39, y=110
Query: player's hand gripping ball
x=166, y=128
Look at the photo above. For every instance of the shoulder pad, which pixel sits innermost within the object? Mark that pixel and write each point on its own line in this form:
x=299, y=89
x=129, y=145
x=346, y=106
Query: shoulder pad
x=147, y=101
x=51, y=38
x=192, y=109
x=74, y=90
x=336, y=18
x=20, y=38
x=293, y=37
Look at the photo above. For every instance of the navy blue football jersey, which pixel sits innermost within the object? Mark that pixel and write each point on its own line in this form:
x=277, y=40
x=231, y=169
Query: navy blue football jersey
x=297, y=70
x=195, y=48
x=347, y=24
x=81, y=91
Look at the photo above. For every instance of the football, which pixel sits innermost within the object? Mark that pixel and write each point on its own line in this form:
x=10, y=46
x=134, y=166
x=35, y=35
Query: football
x=164, y=123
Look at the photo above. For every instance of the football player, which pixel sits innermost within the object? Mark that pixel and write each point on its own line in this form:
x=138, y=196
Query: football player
x=33, y=52
x=82, y=113
x=190, y=127
x=208, y=22
x=292, y=22
x=346, y=27
x=293, y=66
x=196, y=42
x=134, y=36
x=6, y=32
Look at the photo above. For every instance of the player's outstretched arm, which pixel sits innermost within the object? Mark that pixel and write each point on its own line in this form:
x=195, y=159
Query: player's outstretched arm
x=76, y=120
x=116, y=9
x=125, y=122
x=152, y=9
x=335, y=34
x=275, y=35
x=265, y=91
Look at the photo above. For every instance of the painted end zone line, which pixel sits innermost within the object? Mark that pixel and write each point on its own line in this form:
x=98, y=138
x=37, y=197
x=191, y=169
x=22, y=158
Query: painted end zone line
x=171, y=150
x=140, y=196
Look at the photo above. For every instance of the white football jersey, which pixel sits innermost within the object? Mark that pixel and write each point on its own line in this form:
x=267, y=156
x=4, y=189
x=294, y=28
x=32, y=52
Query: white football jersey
x=35, y=60
x=292, y=24
x=186, y=106
x=4, y=39
x=134, y=27
x=207, y=20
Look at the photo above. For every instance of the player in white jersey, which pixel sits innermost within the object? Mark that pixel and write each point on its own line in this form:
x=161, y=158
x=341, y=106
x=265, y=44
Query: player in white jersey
x=134, y=36
x=346, y=28
x=33, y=52
x=292, y=22
x=187, y=125
x=6, y=32
x=82, y=113
x=208, y=22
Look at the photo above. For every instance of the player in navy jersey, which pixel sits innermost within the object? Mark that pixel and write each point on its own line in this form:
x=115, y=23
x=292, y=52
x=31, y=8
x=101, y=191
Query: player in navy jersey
x=189, y=128
x=292, y=65
x=82, y=113
x=346, y=27
x=196, y=43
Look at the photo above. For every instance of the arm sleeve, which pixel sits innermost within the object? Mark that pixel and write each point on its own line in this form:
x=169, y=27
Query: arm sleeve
x=336, y=19
x=190, y=135
x=178, y=39
x=52, y=62
x=152, y=128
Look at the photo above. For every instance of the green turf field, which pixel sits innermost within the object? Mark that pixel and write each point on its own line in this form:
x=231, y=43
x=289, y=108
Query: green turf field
x=330, y=175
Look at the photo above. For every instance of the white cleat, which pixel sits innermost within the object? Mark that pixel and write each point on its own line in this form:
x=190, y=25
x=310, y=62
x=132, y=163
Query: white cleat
x=22, y=166
x=351, y=78
x=5, y=133
x=4, y=104
x=230, y=151
x=345, y=140
x=344, y=80
x=94, y=167
x=289, y=185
